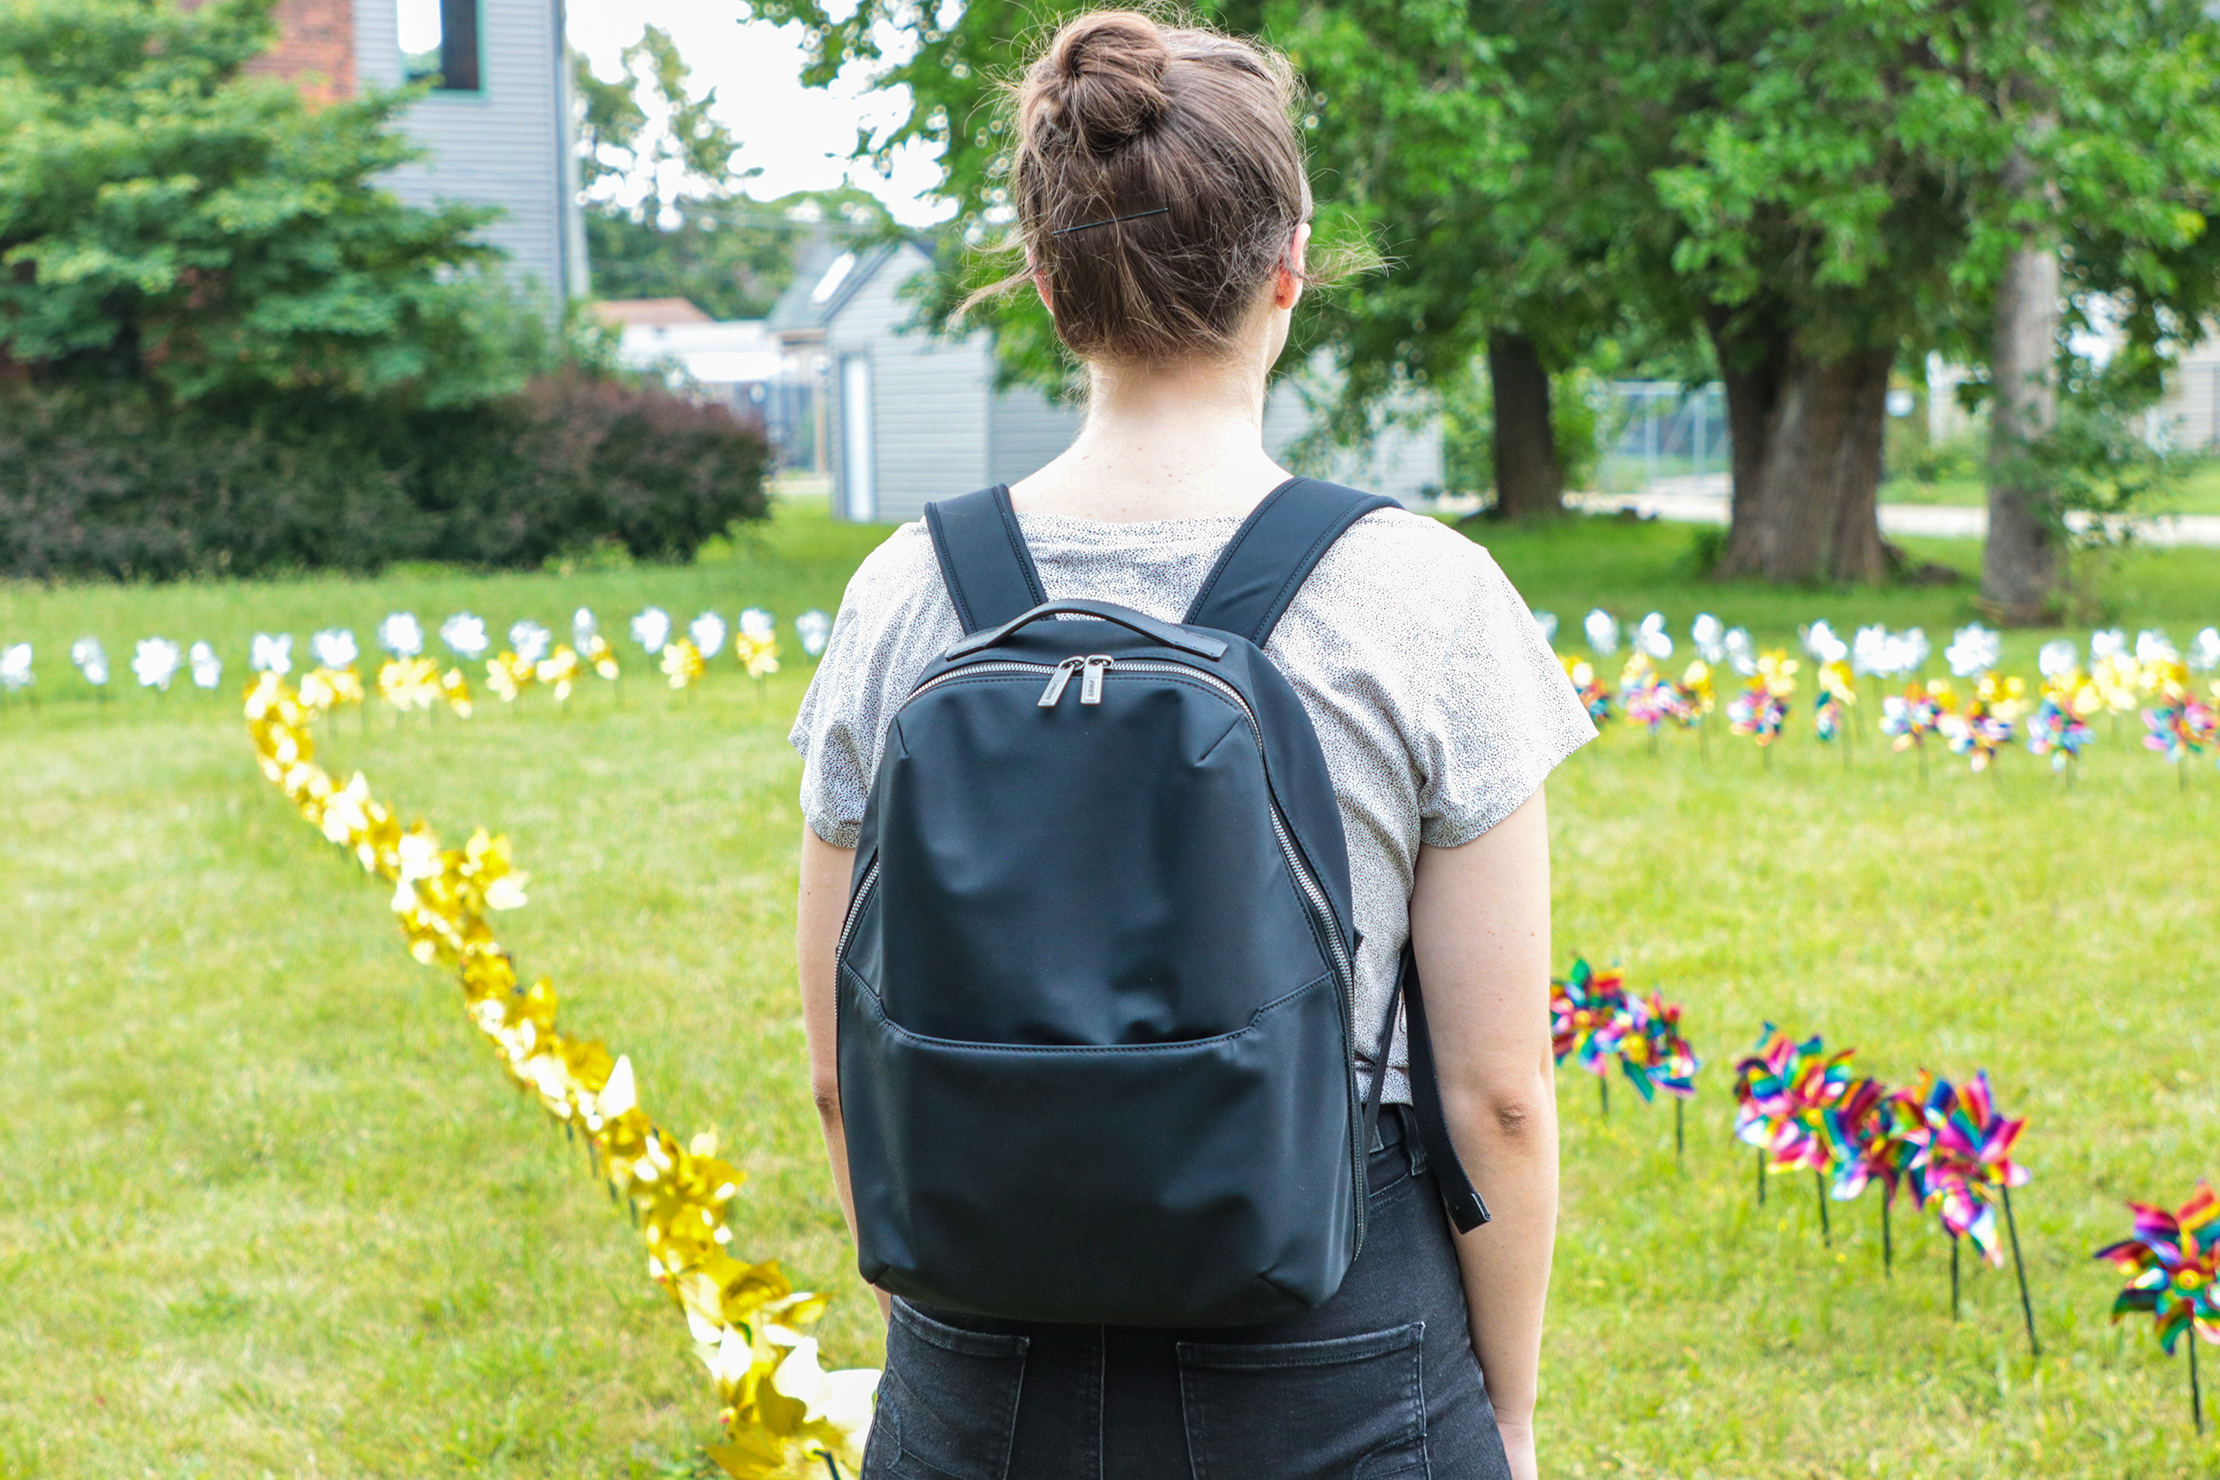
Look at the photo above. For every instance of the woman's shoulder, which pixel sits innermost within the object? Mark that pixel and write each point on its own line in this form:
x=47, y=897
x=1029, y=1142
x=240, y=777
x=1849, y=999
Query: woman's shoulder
x=897, y=579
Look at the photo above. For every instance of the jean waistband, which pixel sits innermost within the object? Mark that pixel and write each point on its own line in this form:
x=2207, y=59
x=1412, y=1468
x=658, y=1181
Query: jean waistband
x=1396, y=1147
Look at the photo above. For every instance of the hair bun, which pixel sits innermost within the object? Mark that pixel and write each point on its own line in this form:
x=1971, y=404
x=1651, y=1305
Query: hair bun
x=1102, y=82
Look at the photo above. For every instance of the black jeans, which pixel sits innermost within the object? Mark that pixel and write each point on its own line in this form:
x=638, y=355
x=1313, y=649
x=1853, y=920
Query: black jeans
x=1380, y=1383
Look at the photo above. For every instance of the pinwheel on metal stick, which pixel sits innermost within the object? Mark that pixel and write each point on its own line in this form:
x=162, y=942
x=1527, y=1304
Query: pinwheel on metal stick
x=1969, y=1161
x=1782, y=1091
x=1588, y=1019
x=2173, y=1260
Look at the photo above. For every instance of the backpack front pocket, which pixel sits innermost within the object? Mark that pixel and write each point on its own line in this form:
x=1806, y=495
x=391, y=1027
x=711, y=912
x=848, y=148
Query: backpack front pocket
x=1205, y=1182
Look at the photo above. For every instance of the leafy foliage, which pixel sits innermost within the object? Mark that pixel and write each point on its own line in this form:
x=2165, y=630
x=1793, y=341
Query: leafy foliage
x=692, y=233
x=165, y=218
x=118, y=484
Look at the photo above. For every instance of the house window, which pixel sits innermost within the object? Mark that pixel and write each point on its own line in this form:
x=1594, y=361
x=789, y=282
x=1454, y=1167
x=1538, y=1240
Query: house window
x=439, y=42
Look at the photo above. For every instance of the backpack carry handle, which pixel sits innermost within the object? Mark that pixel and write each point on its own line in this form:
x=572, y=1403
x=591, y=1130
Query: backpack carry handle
x=1163, y=632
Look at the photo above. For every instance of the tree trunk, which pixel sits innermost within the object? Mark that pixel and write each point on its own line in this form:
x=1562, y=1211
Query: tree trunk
x=1751, y=358
x=2019, y=560
x=1529, y=481
x=1807, y=459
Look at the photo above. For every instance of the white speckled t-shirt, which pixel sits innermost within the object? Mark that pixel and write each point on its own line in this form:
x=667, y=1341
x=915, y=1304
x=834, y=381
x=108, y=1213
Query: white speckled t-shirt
x=1438, y=704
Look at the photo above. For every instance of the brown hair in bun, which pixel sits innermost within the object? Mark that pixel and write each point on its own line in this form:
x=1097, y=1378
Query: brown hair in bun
x=1122, y=116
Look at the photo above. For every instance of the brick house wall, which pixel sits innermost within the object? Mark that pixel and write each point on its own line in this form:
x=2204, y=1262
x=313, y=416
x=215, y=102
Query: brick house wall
x=316, y=45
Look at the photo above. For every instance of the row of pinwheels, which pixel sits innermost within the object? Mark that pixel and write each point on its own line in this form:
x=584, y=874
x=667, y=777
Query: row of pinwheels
x=783, y=1413
x=2151, y=678
x=1595, y=1022
x=1947, y=1145
x=410, y=678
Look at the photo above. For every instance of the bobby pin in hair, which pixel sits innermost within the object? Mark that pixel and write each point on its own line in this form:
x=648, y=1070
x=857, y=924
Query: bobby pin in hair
x=1110, y=221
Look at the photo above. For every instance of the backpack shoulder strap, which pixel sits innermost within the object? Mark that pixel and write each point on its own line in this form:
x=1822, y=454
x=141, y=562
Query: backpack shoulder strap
x=1272, y=553
x=983, y=559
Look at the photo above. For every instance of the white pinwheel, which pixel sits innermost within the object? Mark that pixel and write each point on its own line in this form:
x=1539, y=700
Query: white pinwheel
x=2204, y=650
x=708, y=632
x=651, y=629
x=1652, y=640
x=208, y=669
x=757, y=624
x=1824, y=646
x=2057, y=658
x=1602, y=630
x=334, y=647
x=15, y=668
x=271, y=653
x=1869, y=651
x=465, y=635
x=399, y=634
x=91, y=660
x=1741, y=651
x=154, y=663
x=813, y=627
x=529, y=640
x=1709, y=635
x=1974, y=650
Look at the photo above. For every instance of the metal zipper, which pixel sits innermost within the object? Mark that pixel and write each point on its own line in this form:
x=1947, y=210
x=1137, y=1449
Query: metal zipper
x=1314, y=892
x=855, y=909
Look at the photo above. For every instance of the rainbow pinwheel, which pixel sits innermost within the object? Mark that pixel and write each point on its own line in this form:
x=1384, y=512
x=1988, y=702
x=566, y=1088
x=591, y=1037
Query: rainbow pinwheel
x=1588, y=1017
x=2181, y=724
x=1594, y=697
x=1838, y=690
x=2173, y=1260
x=1985, y=725
x=1969, y=1161
x=1761, y=709
x=2056, y=728
x=1652, y=1051
x=1910, y=718
x=1644, y=696
x=1782, y=1091
x=1892, y=1140
x=1692, y=696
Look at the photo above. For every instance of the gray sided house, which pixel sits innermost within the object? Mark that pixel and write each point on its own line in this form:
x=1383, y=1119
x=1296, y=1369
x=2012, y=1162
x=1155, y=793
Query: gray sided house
x=908, y=417
x=495, y=127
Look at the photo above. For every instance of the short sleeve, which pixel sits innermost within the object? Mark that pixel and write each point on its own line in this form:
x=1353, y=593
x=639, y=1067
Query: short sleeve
x=894, y=617
x=1494, y=711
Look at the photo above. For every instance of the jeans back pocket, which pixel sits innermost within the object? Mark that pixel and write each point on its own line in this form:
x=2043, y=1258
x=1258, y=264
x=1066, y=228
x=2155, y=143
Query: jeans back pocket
x=1353, y=1408
x=947, y=1404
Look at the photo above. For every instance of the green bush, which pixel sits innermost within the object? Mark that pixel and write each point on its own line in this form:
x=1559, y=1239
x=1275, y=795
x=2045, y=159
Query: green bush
x=113, y=484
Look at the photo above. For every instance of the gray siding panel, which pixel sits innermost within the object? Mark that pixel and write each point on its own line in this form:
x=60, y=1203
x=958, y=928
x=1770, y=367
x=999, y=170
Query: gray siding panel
x=929, y=396
x=507, y=145
x=1402, y=462
x=1029, y=430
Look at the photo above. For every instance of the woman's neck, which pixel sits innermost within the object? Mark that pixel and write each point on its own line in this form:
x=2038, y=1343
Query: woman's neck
x=1179, y=441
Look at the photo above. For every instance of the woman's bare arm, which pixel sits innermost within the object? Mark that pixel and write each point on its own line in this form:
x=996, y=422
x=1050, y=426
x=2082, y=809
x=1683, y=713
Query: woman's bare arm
x=1480, y=922
x=819, y=911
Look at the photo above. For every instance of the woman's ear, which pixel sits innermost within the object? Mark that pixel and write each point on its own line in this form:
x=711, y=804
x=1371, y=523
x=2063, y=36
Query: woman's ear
x=1040, y=282
x=1288, y=286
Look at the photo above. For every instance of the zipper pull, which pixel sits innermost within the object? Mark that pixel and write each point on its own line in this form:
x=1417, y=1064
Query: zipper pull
x=1090, y=677
x=1058, y=679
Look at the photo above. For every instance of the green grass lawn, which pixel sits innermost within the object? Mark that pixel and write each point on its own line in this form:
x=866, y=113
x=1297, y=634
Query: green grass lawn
x=2199, y=493
x=272, y=1210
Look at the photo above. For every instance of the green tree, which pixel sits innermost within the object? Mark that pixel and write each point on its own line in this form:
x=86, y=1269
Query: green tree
x=1818, y=189
x=167, y=221
x=692, y=232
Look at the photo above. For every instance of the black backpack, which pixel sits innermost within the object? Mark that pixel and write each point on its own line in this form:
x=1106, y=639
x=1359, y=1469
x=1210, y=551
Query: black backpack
x=1096, y=977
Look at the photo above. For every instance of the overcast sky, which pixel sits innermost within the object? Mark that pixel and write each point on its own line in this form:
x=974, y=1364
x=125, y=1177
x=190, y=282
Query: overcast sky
x=797, y=136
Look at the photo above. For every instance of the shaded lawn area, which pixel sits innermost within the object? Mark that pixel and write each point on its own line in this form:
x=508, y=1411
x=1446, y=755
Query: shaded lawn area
x=274, y=1210
x=2199, y=493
